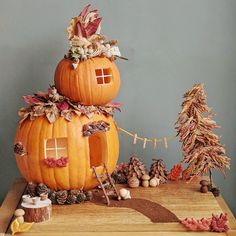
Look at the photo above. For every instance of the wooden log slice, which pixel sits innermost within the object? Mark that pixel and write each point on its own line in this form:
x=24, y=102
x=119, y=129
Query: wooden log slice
x=40, y=212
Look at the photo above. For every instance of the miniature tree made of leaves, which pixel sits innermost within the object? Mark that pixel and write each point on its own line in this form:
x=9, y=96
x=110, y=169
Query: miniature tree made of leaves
x=201, y=148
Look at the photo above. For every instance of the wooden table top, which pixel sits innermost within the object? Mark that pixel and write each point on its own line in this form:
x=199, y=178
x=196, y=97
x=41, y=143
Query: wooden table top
x=86, y=219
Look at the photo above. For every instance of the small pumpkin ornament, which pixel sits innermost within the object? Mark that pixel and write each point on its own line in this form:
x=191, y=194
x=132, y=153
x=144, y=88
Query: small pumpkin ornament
x=95, y=81
x=63, y=139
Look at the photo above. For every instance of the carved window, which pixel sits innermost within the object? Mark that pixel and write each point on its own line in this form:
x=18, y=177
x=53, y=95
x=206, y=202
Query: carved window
x=56, y=148
x=103, y=75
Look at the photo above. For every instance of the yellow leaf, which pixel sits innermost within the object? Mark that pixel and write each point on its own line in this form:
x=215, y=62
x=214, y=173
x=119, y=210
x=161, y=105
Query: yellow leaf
x=15, y=226
x=25, y=227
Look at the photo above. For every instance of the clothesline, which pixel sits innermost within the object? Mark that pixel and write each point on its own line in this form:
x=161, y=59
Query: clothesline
x=145, y=140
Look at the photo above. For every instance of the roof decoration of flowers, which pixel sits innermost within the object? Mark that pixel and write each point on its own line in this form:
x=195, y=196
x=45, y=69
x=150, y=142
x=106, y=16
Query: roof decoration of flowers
x=53, y=105
x=85, y=38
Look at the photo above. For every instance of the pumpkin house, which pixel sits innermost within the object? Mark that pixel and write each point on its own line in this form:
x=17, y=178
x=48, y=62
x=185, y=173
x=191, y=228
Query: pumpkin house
x=65, y=133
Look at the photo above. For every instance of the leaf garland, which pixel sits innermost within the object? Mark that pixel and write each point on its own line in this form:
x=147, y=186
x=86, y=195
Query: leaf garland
x=53, y=105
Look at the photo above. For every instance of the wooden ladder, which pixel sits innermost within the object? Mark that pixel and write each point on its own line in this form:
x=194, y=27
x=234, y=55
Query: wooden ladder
x=100, y=180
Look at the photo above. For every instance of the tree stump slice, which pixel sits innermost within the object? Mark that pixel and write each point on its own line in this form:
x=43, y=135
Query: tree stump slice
x=37, y=213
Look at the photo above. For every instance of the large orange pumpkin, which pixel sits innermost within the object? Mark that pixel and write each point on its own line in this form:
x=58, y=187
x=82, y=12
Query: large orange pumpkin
x=95, y=81
x=40, y=139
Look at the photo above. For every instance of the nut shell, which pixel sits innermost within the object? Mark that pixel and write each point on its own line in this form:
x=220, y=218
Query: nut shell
x=133, y=182
x=153, y=182
x=125, y=194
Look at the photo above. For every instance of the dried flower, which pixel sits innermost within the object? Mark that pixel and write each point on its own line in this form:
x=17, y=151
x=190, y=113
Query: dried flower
x=53, y=162
x=175, y=172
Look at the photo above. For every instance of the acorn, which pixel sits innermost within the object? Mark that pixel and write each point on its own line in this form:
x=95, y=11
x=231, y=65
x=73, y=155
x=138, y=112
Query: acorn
x=204, y=189
x=204, y=182
x=133, y=182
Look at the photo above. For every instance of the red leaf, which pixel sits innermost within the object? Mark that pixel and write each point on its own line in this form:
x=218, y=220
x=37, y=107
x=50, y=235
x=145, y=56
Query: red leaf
x=63, y=106
x=197, y=225
x=116, y=105
x=219, y=223
x=92, y=27
x=31, y=100
x=175, y=172
x=85, y=10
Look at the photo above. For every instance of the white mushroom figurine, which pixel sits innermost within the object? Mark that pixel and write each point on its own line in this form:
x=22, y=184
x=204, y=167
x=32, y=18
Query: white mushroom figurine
x=19, y=214
x=125, y=194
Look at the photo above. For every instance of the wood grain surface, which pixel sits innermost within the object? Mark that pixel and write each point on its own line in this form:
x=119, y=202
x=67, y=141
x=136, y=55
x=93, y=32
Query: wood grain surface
x=181, y=198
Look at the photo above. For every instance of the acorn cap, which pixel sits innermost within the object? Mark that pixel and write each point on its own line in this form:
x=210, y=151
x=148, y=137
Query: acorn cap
x=19, y=212
x=204, y=182
x=145, y=177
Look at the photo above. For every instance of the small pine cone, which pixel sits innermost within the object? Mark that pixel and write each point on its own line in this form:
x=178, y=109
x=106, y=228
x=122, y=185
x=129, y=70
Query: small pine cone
x=81, y=197
x=119, y=178
x=31, y=189
x=89, y=195
x=42, y=188
x=216, y=192
x=75, y=192
x=61, y=197
x=71, y=199
x=19, y=149
x=53, y=197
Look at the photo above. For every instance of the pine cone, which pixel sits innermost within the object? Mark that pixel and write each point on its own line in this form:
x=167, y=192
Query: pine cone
x=136, y=168
x=75, y=192
x=159, y=171
x=216, y=192
x=119, y=178
x=31, y=189
x=71, y=199
x=19, y=149
x=81, y=197
x=53, y=197
x=61, y=197
x=42, y=188
x=89, y=195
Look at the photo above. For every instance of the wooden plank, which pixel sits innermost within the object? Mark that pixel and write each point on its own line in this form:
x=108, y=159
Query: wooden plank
x=185, y=200
x=10, y=203
x=225, y=208
x=125, y=234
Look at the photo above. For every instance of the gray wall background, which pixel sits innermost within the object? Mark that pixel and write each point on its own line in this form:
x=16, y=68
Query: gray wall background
x=170, y=45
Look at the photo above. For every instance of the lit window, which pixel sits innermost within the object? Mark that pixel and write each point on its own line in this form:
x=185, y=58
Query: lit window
x=103, y=75
x=55, y=148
